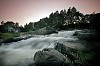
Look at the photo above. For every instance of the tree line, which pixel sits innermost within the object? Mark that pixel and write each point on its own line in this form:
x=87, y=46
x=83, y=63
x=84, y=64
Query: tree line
x=59, y=20
x=70, y=19
x=11, y=26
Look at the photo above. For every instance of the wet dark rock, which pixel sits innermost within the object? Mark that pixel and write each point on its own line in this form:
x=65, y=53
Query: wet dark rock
x=50, y=57
x=67, y=51
x=76, y=33
x=62, y=48
x=85, y=34
x=12, y=40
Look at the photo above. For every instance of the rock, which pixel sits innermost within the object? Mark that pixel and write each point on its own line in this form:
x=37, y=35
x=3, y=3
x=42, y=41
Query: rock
x=85, y=34
x=62, y=48
x=50, y=57
x=1, y=41
x=76, y=33
x=67, y=51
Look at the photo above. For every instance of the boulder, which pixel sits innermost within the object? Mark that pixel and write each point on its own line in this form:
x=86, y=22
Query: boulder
x=62, y=48
x=67, y=51
x=86, y=36
x=50, y=57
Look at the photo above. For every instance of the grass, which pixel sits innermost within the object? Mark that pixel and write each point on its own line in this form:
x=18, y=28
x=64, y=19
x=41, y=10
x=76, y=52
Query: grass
x=83, y=57
x=89, y=58
x=6, y=36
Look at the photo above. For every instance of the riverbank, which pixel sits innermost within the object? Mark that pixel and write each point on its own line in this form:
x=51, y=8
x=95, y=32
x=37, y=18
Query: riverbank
x=13, y=37
x=6, y=37
x=93, y=43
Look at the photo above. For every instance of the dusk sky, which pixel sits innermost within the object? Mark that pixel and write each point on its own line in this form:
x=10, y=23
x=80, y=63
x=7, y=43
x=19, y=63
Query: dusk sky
x=25, y=11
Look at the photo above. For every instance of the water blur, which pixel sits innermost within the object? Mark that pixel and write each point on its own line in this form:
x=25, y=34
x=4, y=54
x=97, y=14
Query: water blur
x=21, y=53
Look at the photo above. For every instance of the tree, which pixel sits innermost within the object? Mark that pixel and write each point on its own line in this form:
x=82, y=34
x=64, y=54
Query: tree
x=29, y=27
x=69, y=11
x=51, y=15
x=61, y=20
x=2, y=23
x=9, y=26
x=74, y=10
x=95, y=22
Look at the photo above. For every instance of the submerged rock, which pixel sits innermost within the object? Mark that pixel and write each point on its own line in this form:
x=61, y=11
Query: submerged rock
x=50, y=57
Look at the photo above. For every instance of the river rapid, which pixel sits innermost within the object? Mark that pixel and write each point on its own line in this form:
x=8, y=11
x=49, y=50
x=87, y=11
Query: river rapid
x=21, y=53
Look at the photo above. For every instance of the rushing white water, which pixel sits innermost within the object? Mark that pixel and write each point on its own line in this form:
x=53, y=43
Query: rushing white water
x=21, y=53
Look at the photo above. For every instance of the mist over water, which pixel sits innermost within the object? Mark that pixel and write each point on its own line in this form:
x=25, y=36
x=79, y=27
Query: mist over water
x=21, y=53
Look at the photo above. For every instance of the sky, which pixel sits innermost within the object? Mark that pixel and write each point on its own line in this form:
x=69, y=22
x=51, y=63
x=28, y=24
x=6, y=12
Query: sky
x=25, y=11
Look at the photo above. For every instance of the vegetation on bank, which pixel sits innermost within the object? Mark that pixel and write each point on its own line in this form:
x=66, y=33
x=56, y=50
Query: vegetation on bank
x=95, y=48
x=93, y=43
x=6, y=36
x=83, y=57
x=80, y=57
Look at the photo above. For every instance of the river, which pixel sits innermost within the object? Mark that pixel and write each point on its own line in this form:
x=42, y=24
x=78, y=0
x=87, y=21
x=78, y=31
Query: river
x=21, y=53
